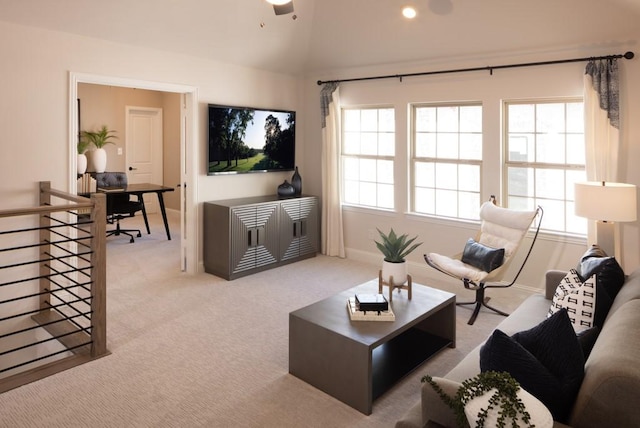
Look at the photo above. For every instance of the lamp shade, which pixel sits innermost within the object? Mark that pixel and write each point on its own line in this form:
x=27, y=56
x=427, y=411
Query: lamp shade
x=606, y=201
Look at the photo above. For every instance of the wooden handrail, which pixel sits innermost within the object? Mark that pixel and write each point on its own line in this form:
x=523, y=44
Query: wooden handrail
x=89, y=340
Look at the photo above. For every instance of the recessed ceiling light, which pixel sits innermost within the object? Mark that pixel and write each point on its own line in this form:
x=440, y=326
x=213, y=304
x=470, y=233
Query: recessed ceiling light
x=278, y=2
x=409, y=12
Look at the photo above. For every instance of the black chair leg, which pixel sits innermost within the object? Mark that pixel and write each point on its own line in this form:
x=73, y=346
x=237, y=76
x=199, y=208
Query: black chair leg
x=479, y=302
x=118, y=231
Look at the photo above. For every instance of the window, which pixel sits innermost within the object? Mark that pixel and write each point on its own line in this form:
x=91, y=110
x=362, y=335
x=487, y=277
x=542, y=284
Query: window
x=545, y=156
x=368, y=150
x=447, y=159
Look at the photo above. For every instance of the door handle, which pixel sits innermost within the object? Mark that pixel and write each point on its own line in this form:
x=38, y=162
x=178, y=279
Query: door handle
x=132, y=168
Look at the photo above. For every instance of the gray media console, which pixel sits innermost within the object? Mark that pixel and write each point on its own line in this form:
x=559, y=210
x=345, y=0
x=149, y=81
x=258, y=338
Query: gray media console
x=246, y=235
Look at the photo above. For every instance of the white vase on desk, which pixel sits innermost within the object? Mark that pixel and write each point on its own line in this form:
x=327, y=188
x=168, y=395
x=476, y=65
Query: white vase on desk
x=99, y=160
x=82, y=163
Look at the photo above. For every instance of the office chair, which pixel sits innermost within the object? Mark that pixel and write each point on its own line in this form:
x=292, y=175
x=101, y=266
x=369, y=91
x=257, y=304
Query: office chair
x=119, y=206
x=487, y=257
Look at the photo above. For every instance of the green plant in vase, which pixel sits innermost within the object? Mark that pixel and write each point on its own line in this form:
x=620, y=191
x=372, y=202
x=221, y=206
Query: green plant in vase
x=99, y=139
x=395, y=248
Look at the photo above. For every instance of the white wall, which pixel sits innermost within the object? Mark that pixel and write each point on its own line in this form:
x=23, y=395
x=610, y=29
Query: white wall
x=519, y=83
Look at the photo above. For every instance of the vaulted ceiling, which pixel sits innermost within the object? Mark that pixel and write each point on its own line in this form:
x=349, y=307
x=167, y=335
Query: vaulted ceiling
x=334, y=34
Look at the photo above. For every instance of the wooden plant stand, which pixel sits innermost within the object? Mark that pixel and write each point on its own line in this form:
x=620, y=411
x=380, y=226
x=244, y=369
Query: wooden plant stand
x=392, y=286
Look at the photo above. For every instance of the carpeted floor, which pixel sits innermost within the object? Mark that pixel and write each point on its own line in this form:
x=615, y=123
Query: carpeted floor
x=199, y=351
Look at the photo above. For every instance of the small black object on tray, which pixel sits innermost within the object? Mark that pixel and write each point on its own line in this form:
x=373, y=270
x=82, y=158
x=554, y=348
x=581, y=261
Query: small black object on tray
x=371, y=302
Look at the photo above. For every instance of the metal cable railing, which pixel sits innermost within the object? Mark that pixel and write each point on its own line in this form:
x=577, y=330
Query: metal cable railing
x=52, y=286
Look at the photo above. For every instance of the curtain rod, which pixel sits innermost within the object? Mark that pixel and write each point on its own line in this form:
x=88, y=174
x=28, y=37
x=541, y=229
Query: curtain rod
x=627, y=55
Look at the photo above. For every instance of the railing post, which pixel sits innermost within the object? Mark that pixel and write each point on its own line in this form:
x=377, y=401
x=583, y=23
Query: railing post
x=99, y=275
x=45, y=222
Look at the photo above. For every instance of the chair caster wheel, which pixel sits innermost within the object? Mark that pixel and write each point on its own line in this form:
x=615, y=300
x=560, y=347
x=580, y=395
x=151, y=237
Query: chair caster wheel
x=131, y=241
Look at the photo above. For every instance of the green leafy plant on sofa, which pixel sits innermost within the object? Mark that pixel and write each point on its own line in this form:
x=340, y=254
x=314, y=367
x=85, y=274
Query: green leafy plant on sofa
x=505, y=397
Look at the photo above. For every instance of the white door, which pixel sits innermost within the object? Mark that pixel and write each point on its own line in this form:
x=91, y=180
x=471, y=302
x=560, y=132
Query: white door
x=144, y=149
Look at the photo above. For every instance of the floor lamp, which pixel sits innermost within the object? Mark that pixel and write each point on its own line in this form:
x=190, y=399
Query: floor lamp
x=608, y=204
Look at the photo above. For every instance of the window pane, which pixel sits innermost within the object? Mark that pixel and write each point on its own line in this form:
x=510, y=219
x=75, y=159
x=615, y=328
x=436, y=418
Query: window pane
x=469, y=178
x=425, y=145
x=521, y=147
x=452, y=133
x=425, y=174
x=550, y=149
x=446, y=176
x=540, y=135
x=521, y=118
x=385, y=172
x=368, y=149
x=447, y=203
x=471, y=146
x=447, y=146
x=425, y=119
x=520, y=181
x=550, y=118
x=550, y=184
x=447, y=119
x=425, y=201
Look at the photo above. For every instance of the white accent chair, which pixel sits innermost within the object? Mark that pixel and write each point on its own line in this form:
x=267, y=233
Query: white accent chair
x=500, y=228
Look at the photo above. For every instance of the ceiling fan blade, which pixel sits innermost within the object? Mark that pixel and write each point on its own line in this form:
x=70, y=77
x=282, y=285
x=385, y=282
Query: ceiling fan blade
x=283, y=9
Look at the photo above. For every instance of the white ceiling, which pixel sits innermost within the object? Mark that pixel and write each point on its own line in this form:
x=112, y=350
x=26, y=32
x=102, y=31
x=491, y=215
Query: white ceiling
x=333, y=34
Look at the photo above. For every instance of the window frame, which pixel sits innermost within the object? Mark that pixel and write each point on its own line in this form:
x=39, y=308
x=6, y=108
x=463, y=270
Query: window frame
x=413, y=159
x=377, y=157
x=535, y=166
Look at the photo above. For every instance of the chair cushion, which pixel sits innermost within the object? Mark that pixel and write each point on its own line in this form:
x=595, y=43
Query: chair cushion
x=481, y=256
x=546, y=360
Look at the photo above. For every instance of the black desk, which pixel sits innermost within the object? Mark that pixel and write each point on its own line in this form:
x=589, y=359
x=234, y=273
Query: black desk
x=139, y=190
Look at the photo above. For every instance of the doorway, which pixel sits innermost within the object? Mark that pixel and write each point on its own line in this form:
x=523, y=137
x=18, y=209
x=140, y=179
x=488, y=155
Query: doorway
x=187, y=186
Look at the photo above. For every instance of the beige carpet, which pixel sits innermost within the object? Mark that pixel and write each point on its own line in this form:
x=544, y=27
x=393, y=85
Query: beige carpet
x=199, y=351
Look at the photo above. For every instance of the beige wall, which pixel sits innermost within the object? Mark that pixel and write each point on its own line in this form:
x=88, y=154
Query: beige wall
x=448, y=237
x=106, y=105
x=34, y=118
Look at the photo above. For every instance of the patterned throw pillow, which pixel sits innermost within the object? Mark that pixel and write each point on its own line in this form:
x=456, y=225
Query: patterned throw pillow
x=578, y=298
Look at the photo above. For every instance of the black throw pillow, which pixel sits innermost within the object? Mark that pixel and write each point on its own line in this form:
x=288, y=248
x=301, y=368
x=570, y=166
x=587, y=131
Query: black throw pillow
x=609, y=279
x=587, y=338
x=482, y=257
x=546, y=360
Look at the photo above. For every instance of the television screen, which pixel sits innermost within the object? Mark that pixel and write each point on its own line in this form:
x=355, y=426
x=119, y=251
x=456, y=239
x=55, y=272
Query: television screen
x=244, y=139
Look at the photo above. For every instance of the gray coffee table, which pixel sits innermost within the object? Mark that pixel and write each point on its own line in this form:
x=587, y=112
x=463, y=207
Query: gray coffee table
x=357, y=361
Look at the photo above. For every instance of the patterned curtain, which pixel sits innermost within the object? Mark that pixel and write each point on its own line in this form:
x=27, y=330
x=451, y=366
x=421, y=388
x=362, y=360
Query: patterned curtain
x=602, y=119
x=332, y=241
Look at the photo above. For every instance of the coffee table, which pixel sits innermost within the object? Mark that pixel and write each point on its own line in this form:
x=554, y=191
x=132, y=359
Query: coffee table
x=357, y=361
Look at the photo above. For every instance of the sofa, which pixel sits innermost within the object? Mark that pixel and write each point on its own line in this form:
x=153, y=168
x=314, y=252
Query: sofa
x=609, y=394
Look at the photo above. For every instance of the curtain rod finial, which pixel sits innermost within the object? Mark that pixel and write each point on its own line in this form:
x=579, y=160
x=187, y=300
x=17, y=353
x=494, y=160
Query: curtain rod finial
x=629, y=55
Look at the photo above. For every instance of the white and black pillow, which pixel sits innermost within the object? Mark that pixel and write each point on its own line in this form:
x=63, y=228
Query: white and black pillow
x=578, y=298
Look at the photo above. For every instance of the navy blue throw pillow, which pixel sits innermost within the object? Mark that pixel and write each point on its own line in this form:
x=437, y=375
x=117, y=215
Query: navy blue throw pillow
x=546, y=360
x=609, y=279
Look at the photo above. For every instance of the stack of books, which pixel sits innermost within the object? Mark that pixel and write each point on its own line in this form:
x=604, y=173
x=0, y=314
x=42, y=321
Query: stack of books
x=369, y=307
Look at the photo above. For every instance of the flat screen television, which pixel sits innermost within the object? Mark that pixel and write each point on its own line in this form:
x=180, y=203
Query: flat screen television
x=246, y=139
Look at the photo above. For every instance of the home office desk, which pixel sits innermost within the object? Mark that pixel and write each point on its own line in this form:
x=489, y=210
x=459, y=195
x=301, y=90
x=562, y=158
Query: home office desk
x=140, y=189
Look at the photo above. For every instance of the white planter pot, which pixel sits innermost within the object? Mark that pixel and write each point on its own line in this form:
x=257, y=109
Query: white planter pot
x=99, y=160
x=395, y=271
x=82, y=163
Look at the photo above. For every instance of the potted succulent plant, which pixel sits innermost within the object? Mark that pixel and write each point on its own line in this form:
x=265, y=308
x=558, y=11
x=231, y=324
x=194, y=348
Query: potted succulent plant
x=395, y=248
x=99, y=139
x=83, y=145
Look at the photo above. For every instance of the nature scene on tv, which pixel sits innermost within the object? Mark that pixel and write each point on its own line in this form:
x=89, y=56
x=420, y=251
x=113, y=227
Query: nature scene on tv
x=245, y=140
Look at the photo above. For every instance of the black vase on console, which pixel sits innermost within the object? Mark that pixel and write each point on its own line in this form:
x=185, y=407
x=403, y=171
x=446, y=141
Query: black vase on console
x=296, y=182
x=286, y=189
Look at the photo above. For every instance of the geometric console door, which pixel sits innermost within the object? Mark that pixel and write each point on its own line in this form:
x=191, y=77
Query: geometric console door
x=298, y=228
x=247, y=235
